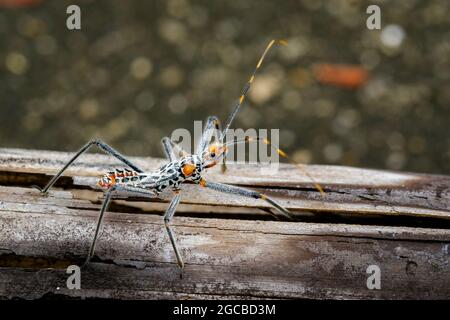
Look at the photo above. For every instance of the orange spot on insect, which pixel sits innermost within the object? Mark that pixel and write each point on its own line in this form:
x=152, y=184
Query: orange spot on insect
x=202, y=182
x=111, y=178
x=241, y=99
x=188, y=169
x=347, y=76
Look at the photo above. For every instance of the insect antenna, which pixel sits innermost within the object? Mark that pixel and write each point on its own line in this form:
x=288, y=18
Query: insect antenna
x=247, y=86
x=298, y=165
x=248, y=139
x=282, y=154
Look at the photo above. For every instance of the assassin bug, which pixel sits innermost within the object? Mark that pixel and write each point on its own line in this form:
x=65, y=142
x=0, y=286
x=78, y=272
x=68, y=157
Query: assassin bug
x=188, y=167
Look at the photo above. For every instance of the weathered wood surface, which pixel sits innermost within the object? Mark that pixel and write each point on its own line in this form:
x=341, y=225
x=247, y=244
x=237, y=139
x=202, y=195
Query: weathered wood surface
x=348, y=190
x=229, y=248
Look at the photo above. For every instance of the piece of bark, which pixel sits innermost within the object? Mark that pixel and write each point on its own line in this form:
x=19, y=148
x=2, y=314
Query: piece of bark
x=235, y=254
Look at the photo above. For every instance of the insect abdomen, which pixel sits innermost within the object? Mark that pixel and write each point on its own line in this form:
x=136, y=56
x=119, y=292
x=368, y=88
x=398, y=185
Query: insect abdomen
x=119, y=176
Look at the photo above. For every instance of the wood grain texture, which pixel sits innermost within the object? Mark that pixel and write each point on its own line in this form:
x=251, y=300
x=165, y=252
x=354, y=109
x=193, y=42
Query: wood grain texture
x=230, y=248
x=348, y=190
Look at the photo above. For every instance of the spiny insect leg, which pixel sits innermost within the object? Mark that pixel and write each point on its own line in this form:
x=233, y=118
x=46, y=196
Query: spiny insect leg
x=178, y=151
x=109, y=194
x=168, y=149
x=222, y=187
x=101, y=145
x=167, y=218
x=212, y=126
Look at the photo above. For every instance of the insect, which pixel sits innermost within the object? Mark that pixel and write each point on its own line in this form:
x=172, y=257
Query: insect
x=182, y=167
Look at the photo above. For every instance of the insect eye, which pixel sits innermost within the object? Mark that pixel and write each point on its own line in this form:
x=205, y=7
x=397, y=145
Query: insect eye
x=213, y=155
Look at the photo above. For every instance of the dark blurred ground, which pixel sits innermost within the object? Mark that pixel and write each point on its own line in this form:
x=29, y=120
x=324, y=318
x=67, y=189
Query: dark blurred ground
x=140, y=69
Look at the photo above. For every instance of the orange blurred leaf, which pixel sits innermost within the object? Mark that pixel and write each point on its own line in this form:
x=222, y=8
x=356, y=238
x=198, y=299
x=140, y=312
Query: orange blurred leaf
x=340, y=75
x=18, y=3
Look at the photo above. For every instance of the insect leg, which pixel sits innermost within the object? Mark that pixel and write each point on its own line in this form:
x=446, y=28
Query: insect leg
x=172, y=149
x=167, y=218
x=247, y=193
x=168, y=149
x=101, y=145
x=212, y=126
x=109, y=194
x=218, y=128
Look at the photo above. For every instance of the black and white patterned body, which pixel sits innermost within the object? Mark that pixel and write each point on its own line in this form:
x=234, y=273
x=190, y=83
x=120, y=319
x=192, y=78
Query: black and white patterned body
x=170, y=175
x=174, y=173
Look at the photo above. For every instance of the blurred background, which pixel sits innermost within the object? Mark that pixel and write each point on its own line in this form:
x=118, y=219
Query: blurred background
x=137, y=70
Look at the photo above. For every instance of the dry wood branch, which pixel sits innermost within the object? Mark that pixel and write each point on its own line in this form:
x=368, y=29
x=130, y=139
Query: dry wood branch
x=226, y=255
